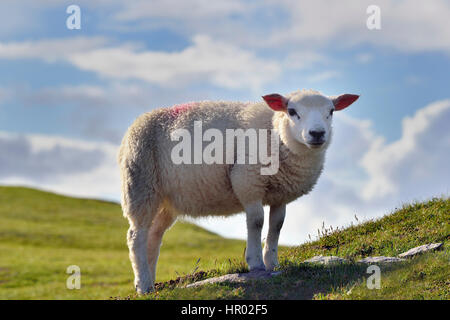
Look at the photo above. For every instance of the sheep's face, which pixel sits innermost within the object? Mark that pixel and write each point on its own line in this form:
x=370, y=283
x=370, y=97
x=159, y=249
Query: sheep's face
x=310, y=114
x=310, y=119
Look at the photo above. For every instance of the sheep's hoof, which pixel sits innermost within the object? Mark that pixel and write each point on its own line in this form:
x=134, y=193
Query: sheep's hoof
x=257, y=268
x=270, y=266
x=143, y=289
x=269, y=269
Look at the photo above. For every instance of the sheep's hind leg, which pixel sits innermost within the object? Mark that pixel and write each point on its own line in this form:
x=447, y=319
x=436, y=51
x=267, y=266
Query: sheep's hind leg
x=276, y=219
x=160, y=224
x=255, y=221
x=140, y=221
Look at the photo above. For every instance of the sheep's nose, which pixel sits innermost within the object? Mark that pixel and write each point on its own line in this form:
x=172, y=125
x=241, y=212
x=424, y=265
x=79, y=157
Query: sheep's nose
x=316, y=134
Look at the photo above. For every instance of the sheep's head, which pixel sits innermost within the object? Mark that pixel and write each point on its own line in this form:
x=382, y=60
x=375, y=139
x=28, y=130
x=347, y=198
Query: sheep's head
x=310, y=114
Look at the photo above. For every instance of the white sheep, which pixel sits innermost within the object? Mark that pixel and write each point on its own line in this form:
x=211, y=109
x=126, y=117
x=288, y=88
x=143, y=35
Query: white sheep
x=155, y=190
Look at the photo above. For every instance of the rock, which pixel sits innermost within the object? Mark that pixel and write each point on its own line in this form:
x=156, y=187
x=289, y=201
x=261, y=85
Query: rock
x=237, y=277
x=326, y=260
x=380, y=259
x=421, y=249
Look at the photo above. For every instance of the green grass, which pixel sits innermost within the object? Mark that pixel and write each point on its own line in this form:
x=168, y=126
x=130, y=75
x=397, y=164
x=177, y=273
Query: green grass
x=424, y=277
x=41, y=234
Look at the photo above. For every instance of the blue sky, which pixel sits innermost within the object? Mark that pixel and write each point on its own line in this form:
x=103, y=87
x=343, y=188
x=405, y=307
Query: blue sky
x=67, y=96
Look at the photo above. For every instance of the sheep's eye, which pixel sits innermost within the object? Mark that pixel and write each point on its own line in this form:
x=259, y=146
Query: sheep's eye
x=331, y=112
x=292, y=113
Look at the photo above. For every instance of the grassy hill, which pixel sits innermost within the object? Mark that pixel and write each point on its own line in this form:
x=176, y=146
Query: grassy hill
x=423, y=277
x=41, y=234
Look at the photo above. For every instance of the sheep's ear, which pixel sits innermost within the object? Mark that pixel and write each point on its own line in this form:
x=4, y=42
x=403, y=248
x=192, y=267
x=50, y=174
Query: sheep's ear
x=276, y=101
x=343, y=101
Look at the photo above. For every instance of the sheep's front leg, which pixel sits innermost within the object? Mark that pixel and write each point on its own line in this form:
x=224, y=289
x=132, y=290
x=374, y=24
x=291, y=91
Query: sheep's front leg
x=255, y=221
x=276, y=219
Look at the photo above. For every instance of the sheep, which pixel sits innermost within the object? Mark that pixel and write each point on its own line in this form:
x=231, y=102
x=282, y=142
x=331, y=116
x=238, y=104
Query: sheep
x=155, y=190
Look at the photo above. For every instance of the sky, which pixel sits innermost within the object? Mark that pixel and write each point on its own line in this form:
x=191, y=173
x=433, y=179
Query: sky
x=67, y=96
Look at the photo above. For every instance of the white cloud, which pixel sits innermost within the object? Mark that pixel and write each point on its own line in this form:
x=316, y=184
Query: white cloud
x=244, y=28
x=68, y=166
x=405, y=25
x=419, y=157
x=290, y=24
x=206, y=60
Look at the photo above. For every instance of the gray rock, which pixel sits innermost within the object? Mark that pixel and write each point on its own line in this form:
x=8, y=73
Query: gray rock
x=421, y=249
x=380, y=259
x=237, y=277
x=326, y=260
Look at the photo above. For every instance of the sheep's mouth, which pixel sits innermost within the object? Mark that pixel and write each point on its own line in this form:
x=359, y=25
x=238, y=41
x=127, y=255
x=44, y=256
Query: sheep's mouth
x=315, y=144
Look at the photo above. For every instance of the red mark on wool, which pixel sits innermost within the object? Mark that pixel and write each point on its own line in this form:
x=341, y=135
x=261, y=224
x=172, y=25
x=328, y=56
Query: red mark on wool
x=179, y=108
